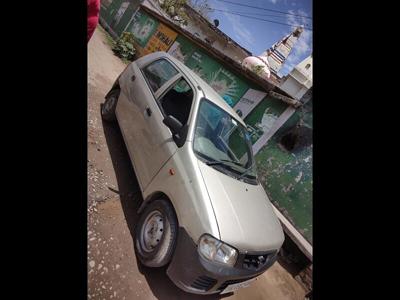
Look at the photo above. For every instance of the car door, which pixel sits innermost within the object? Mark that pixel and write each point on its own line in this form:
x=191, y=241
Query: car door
x=148, y=140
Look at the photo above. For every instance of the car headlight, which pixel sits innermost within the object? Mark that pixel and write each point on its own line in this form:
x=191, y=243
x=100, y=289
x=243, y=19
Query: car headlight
x=217, y=251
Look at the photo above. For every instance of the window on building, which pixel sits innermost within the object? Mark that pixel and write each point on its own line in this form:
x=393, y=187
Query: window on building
x=308, y=66
x=158, y=73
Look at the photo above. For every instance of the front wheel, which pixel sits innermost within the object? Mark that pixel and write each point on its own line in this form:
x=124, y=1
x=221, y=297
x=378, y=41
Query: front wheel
x=156, y=234
x=108, y=107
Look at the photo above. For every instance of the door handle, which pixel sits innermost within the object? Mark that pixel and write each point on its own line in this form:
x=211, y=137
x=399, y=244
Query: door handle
x=148, y=111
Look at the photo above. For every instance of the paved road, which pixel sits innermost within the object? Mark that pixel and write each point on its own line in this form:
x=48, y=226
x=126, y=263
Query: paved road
x=113, y=198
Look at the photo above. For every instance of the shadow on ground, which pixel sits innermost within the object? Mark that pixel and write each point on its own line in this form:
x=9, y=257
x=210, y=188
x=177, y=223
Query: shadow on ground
x=291, y=258
x=128, y=189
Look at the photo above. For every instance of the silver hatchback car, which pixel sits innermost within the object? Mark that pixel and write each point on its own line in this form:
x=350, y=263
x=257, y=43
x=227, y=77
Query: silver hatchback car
x=204, y=213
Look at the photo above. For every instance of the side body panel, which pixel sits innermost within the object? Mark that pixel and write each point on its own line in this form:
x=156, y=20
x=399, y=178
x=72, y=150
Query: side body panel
x=148, y=140
x=187, y=192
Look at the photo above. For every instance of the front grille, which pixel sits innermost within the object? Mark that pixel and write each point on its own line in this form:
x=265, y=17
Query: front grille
x=204, y=283
x=256, y=262
x=229, y=282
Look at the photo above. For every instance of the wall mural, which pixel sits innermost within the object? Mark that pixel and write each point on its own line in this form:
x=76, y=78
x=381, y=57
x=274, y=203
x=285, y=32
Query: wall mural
x=248, y=102
x=143, y=27
x=261, y=118
x=120, y=12
x=109, y=9
x=224, y=82
x=181, y=49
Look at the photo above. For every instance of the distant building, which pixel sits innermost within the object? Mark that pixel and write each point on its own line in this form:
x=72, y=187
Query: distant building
x=299, y=80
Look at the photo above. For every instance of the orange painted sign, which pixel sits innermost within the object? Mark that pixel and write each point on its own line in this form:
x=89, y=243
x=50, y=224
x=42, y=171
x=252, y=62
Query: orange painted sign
x=161, y=40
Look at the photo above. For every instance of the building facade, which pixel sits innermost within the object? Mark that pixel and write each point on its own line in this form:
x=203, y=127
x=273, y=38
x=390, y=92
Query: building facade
x=299, y=80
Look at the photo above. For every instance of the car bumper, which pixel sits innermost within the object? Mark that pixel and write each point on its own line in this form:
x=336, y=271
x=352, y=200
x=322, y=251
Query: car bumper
x=194, y=274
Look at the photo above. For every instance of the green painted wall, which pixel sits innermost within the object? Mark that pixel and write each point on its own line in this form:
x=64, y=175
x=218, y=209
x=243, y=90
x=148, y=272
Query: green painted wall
x=263, y=116
x=118, y=13
x=287, y=176
x=223, y=80
x=108, y=10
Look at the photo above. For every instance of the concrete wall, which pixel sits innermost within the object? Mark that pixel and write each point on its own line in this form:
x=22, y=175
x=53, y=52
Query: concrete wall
x=291, y=86
x=299, y=80
x=306, y=67
x=201, y=29
x=287, y=175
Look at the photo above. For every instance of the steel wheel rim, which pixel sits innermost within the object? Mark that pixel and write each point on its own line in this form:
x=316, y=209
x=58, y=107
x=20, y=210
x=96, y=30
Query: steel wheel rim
x=152, y=231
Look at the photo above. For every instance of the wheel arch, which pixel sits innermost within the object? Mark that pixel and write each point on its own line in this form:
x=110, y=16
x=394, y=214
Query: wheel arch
x=115, y=86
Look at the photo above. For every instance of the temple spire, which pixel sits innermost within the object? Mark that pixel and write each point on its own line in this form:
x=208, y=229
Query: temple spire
x=280, y=51
x=273, y=58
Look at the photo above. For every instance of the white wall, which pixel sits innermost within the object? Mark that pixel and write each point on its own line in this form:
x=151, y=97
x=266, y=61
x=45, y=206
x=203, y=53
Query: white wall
x=301, y=67
x=299, y=80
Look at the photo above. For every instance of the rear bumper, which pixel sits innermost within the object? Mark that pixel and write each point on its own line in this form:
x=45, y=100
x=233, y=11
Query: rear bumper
x=193, y=274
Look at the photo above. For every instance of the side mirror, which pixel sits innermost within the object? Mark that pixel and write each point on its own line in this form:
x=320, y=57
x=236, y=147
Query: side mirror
x=173, y=123
x=179, y=131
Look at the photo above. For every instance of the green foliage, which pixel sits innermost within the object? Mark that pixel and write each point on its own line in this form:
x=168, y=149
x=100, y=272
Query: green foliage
x=257, y=69
x=124, y=48
x=176, y=10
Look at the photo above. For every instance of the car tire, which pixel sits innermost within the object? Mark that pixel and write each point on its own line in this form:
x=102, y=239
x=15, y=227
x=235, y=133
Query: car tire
x=156, y=234
x=109, y=105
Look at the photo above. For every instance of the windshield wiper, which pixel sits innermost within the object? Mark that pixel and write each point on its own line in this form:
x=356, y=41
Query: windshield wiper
x=245, y=173
x=214, y=162
x=221, y=162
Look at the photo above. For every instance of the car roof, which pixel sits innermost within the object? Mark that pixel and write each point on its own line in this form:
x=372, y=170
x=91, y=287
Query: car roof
x=207, y=90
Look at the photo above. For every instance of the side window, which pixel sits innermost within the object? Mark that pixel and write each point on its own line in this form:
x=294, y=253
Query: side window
x=159, y=72
x=178, y=101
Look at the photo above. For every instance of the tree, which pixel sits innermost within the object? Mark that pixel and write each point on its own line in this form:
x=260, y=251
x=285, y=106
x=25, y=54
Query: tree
x=176, y=9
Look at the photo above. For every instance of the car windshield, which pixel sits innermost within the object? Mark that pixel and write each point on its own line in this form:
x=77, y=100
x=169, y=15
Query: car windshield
x=223, y=142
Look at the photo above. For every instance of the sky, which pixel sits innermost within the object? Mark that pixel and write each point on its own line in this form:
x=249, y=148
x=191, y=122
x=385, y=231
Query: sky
x=257, y=36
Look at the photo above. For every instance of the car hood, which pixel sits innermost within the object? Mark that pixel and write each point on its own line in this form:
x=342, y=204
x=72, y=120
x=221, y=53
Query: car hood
x=244, y=214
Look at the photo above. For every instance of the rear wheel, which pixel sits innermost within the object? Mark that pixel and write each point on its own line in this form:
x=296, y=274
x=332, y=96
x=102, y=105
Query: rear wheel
x=108, y=107
x=156, y=234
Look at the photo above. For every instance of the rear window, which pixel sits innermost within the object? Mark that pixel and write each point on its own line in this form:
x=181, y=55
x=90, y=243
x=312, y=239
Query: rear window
x=158, y=73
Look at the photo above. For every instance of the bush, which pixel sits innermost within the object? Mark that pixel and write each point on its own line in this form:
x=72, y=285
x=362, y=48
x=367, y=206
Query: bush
x=124, y=48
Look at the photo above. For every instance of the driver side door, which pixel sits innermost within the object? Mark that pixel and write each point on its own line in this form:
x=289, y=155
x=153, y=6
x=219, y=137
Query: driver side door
x=148, y=140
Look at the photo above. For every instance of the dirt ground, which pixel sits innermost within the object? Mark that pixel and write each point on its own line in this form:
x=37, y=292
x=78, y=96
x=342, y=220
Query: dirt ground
x=113, y=196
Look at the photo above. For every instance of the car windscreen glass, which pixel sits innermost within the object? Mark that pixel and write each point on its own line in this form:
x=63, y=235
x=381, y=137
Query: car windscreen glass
x=222, y=141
